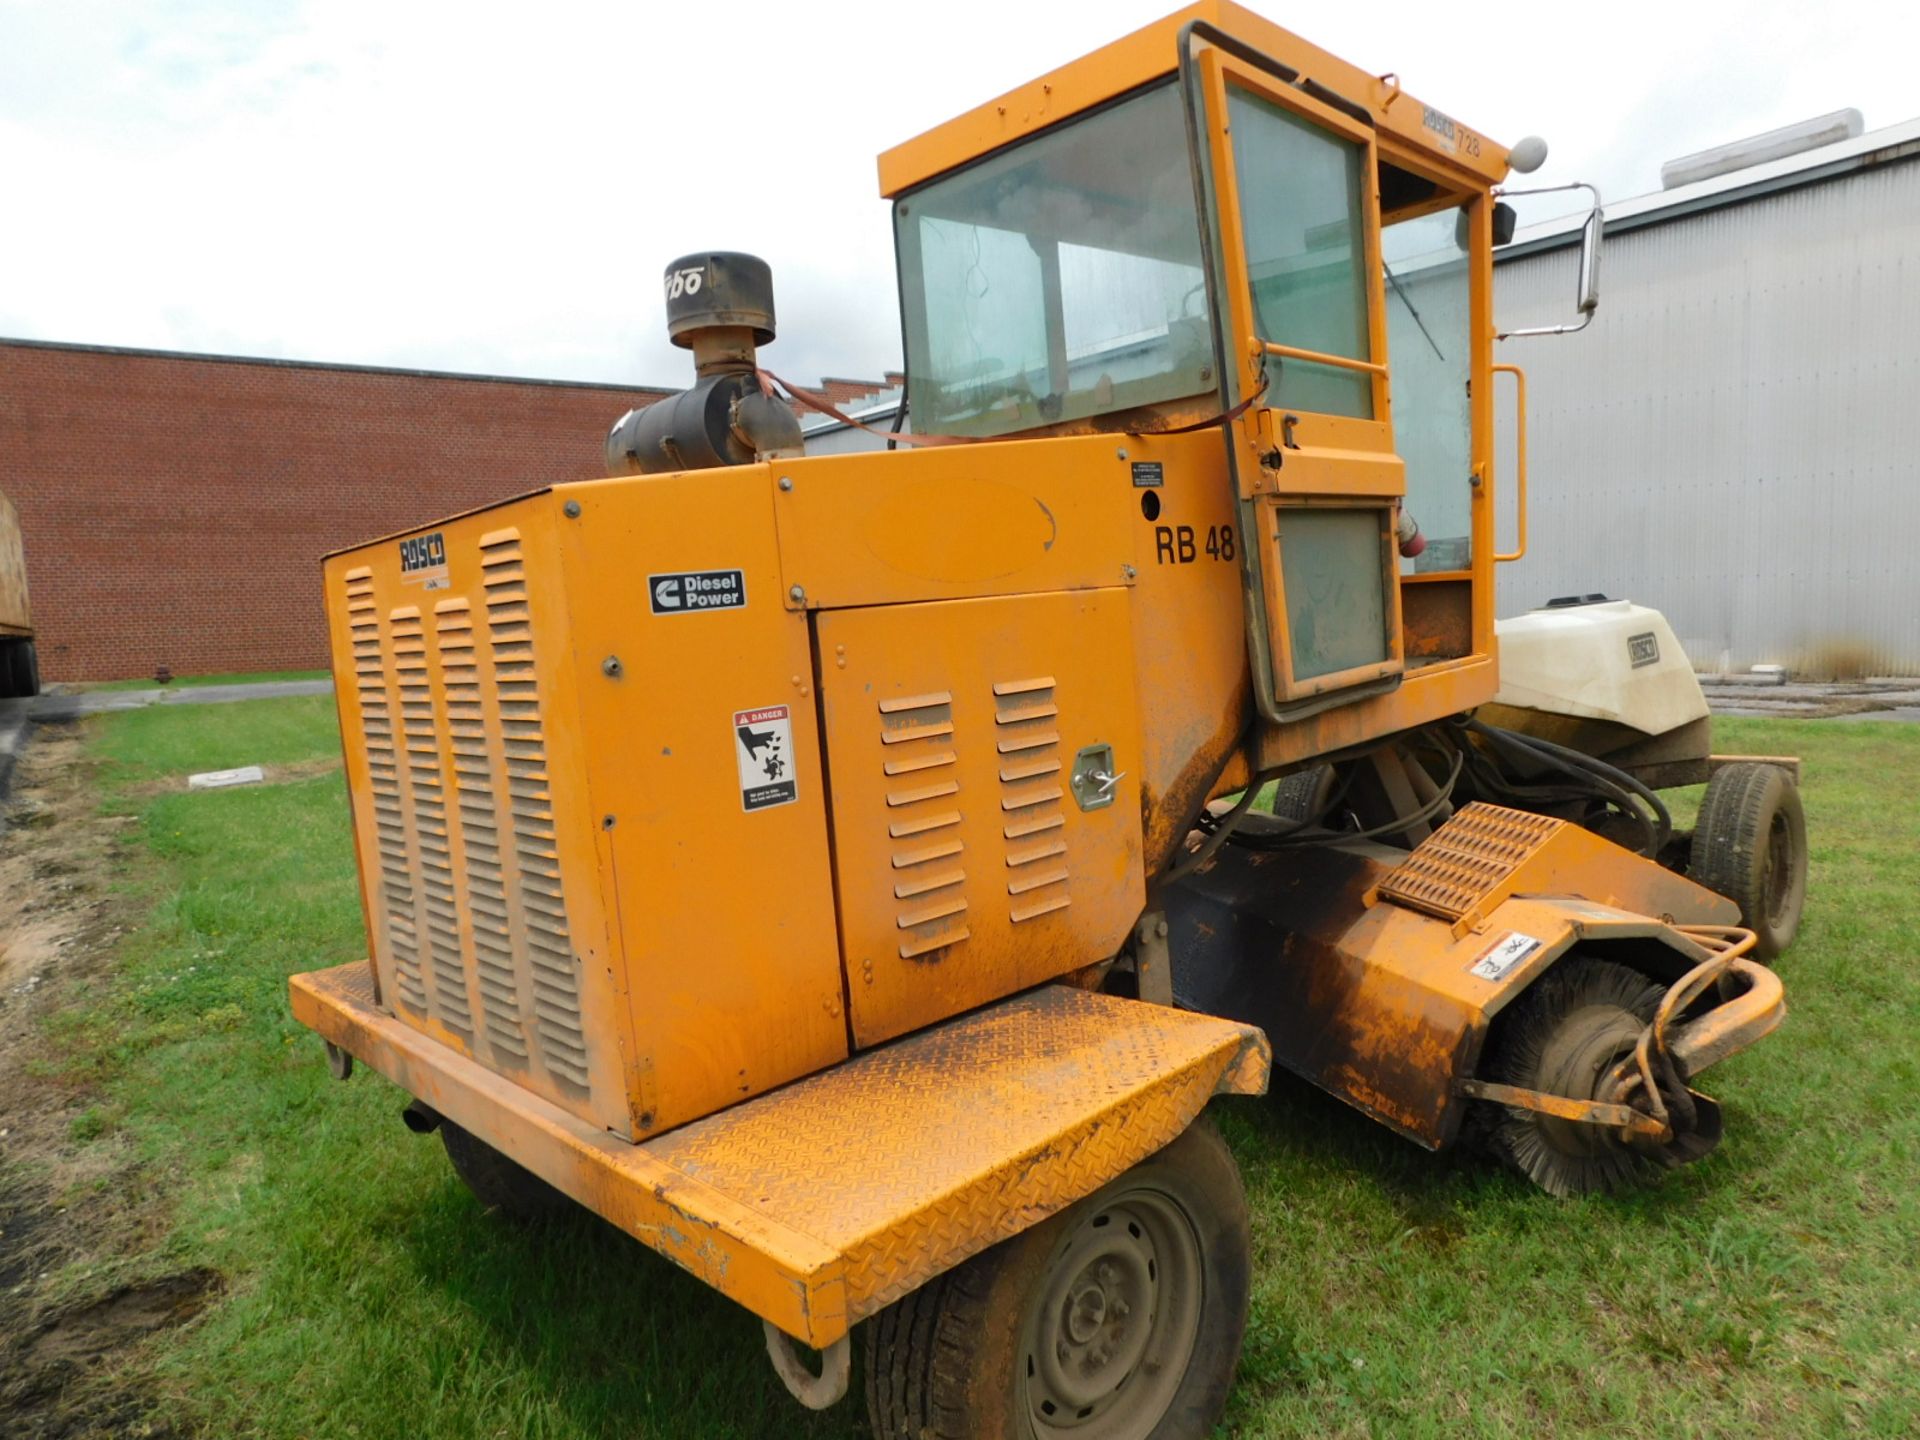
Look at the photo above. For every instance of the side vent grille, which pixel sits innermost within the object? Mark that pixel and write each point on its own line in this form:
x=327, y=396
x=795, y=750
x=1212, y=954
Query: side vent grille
x=469, y=915
x=419, y=735
x=473, y=782
x=1027, y=737
x=529, y=816
x=923, y=821
x=395, y=890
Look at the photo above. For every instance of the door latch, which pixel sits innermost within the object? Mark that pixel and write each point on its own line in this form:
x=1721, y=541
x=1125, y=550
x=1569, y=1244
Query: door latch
x=1094, y=780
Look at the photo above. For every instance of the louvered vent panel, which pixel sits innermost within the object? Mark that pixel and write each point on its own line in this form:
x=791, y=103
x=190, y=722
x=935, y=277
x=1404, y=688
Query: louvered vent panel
x=534, y=872
x=1032, y=789
x=923, y=822
x=479, y=824
x=427, y=792
x=395, y=890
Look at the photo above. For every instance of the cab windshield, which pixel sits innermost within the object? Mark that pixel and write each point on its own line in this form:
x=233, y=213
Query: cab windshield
x=1059, y=280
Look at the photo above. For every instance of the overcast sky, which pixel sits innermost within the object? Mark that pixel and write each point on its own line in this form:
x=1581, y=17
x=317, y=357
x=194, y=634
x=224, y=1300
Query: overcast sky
x=497, y=188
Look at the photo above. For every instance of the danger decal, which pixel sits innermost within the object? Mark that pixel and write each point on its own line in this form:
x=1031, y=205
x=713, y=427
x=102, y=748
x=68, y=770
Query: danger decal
x=763, y=749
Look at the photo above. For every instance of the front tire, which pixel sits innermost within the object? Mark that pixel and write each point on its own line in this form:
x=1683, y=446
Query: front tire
x=1118, y=1319
x=1750, y=845
x=1304, y=796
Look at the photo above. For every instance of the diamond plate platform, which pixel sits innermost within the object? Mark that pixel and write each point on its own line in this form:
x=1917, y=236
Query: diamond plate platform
x=820, y=1203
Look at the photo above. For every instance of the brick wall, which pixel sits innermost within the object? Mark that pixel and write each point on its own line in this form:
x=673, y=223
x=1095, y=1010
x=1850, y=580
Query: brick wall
x=175, y=507
x=840, y=392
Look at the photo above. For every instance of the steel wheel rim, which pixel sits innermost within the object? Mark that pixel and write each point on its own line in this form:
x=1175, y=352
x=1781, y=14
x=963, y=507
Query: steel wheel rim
x=1108, y=1339
x=1776, y=885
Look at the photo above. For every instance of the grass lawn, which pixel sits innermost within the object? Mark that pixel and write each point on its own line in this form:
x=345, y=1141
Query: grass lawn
x=1768, y=1291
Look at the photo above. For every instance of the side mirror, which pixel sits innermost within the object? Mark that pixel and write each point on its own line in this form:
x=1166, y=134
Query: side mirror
x=1587, y=296
x=1505, y=221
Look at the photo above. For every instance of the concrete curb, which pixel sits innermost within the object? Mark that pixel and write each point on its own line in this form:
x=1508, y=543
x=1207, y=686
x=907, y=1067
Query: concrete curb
x=70, y=705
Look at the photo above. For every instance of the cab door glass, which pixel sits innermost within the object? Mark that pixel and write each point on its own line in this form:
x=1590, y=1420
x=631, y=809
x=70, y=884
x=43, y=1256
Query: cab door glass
x=1429, y=338
x=1336, y=606
x=1303, y=231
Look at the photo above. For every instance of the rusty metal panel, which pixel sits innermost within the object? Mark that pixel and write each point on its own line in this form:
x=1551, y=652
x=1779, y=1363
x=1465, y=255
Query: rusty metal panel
x=1486, y=853
x=1383, y=1005
x=1729, y=438
x=965, y=869
x=821, y=1203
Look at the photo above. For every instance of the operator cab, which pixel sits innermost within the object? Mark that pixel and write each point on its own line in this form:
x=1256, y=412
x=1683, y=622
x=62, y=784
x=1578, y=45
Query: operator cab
x=1244, y=239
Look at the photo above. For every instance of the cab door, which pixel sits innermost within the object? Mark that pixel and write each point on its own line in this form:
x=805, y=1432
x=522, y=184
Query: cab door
x=1292, y=205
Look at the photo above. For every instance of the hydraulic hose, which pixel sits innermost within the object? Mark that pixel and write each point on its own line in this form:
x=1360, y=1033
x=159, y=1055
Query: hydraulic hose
x=1613, y=785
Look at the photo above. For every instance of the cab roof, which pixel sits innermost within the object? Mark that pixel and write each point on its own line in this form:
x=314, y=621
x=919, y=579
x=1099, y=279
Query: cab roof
x=1151, y=53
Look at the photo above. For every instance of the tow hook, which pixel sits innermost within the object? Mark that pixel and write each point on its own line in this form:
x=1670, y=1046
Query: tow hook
x=816, y=1392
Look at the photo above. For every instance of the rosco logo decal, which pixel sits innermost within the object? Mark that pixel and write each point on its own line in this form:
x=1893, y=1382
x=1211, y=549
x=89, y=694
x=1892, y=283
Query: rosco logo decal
x=423, y=552
x=1643, y=649
x=423, y=561
x=685, y=591
x=1451, y=136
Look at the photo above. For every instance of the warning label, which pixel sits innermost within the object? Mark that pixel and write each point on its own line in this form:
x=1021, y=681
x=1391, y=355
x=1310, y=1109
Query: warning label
x=1504, y=955
x=763, y=746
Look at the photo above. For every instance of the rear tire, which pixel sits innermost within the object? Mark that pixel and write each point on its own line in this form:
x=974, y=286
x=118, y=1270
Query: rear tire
x=26, y=675
x=1750, y=845
x=1118, y=1319
x=1303, y=795
x=500, y=1184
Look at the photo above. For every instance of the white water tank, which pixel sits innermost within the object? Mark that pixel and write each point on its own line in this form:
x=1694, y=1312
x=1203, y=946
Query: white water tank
x=1600, y=659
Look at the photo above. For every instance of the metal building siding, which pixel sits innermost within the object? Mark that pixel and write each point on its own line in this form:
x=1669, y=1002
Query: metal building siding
x=1734, y=439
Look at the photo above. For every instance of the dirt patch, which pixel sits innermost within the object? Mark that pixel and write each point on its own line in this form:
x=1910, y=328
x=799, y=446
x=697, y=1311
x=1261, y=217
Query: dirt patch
x=56, y=856
x=67, y=1196
x=81, y=1336
x=45, y=1389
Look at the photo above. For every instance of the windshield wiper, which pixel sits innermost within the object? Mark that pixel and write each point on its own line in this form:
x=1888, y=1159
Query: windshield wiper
x=1401, y=291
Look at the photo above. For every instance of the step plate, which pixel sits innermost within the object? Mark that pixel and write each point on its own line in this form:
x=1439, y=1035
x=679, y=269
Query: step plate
x=1468, y=860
